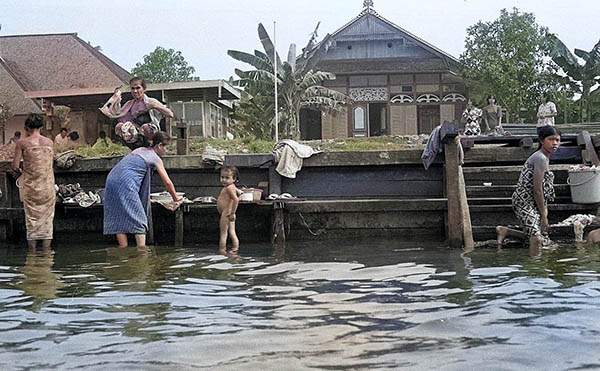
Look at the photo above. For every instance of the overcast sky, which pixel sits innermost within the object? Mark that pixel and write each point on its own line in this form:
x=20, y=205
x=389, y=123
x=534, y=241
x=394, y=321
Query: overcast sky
x=203, y=30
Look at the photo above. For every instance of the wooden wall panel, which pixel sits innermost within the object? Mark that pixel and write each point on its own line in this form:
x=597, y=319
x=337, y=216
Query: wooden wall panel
x=326, y=126
x=380, y=181
x=397, y=120
x=411, y=119
x=447, y=113
x=340, y=124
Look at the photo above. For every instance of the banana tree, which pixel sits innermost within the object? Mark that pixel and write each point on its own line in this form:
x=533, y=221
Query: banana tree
x=585, y=75
x=298, y=84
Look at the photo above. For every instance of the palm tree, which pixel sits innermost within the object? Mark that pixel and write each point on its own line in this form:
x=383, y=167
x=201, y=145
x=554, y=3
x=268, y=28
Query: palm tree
x=298, y=84
x=585, y=76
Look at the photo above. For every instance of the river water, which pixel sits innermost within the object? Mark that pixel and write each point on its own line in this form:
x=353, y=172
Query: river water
x=318, y=305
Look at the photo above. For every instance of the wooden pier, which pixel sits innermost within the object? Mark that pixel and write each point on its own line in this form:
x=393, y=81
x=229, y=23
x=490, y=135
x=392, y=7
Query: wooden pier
x=339, y=195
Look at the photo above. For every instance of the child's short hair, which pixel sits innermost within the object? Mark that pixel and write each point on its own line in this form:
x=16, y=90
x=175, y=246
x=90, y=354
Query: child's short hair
x=233, y=170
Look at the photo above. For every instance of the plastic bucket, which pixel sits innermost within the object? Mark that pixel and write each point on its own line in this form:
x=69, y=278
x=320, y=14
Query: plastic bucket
x=585, y=186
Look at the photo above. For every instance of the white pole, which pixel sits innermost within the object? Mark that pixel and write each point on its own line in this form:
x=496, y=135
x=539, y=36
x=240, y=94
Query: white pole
x=275, y=81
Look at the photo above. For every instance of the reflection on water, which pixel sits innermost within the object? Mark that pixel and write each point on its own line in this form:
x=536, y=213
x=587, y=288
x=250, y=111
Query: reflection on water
x=371, y=305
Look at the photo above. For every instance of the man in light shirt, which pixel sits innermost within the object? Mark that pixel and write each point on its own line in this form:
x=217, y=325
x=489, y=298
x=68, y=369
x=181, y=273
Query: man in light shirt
x=62, y=139
x=546, y=113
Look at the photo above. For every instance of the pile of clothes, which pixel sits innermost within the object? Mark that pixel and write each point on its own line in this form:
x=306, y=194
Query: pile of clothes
x=74, y=194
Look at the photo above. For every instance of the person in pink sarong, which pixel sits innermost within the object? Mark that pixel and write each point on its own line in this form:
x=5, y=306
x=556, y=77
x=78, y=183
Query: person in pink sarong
x=140, y=117
x=36, y=184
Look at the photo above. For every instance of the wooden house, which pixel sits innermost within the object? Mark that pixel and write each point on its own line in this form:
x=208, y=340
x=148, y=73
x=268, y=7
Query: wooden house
x=30, y=64
x=399, y=83
x=37, y=71
x=204, y=104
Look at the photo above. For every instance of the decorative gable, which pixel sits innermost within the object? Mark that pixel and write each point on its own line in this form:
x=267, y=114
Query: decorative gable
x=366, y=26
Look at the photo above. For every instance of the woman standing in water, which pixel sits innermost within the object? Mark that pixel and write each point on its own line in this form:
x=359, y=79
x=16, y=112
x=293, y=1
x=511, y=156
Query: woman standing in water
x=535, y=189
x=127, y=192
x=37, y=182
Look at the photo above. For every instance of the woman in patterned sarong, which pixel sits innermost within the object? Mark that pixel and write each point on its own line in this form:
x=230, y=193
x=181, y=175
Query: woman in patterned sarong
x=127, y=193
x=37, y=181
x=535, y=189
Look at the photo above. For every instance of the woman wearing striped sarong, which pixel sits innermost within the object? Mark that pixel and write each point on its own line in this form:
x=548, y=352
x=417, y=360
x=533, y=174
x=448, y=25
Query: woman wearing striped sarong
x=127, y=192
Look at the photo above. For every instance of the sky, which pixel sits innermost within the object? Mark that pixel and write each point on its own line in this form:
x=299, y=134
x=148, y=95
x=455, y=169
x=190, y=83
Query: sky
x=204, y=30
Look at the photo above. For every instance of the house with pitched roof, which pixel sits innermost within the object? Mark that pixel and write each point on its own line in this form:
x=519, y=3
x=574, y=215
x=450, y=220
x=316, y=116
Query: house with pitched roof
x=34, y=63
x=38, y=71
x=400, y=84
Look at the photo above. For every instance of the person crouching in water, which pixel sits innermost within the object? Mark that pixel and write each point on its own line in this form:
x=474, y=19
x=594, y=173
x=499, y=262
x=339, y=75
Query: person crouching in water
x=535, y=189
x=227, y=204
x=37, y=182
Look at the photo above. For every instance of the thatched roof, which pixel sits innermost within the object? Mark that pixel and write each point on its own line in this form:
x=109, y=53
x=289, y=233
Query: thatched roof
x=12, y=94
x=58, y=61
x=51, y=62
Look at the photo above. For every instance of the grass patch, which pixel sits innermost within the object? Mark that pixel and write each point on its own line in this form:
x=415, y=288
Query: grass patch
x=254, y=146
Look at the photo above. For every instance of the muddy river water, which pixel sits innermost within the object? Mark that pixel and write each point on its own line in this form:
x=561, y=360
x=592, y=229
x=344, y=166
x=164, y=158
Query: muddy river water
x=318, y=305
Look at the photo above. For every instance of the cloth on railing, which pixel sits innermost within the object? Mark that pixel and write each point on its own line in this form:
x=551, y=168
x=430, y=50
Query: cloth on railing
x=66, y=160
x=289, y=155
x=213, y=156
x=435, y=146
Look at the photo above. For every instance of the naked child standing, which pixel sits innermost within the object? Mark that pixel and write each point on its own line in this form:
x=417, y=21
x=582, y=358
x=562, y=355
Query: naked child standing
x=227, y=204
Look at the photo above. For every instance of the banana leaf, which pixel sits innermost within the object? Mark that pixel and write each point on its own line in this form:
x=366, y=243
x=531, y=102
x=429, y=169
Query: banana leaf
x=268, y=45
x=291, y=58
x=253, y=60
x=561, y=55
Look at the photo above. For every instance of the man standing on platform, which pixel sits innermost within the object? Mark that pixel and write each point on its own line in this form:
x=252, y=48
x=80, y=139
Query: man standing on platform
x=546, y=113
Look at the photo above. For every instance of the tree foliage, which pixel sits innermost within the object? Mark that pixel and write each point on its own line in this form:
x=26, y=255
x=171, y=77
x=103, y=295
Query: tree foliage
x=506, y=56
x=164, y=65
x=580, y=77
x=297, y=83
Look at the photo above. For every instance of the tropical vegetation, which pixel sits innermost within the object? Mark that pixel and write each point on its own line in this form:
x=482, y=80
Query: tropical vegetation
x=298, y=85
x=580, y=78
x=164, y=65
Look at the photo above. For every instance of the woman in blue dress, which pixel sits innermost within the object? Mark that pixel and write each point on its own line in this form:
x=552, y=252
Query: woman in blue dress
x=127, y=191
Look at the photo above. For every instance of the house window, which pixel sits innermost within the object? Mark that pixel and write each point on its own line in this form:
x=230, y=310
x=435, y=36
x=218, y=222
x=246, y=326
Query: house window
x=407, y=88
x=216, y=113
x=190, y=112
x=359, y=118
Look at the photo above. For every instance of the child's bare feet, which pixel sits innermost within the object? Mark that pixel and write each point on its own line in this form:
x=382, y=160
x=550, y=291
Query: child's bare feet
x=501, y=232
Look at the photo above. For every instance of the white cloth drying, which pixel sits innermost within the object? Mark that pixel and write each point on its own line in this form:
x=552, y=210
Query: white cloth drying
x=289, y=154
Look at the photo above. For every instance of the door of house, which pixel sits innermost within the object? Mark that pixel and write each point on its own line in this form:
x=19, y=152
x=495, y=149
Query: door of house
x=310, y=124
x=378, y=119
x=359, y=124
x=429, y=118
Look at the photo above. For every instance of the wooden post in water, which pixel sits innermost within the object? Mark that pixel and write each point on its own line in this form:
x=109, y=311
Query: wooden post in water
x=459, y=230
x=278, y=227
x=150, y=233
x=179, y=226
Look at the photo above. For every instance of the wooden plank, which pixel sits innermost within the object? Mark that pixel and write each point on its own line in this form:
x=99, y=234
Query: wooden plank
x=432, y=233
x=585, y=139
x=328, y=206
x=454, y=231
x=365, y=220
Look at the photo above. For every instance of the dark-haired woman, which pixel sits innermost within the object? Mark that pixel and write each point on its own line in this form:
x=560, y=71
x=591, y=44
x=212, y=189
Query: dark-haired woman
x=535, y=189
x=127, y=192
x=138, y=117
x=37, y=182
